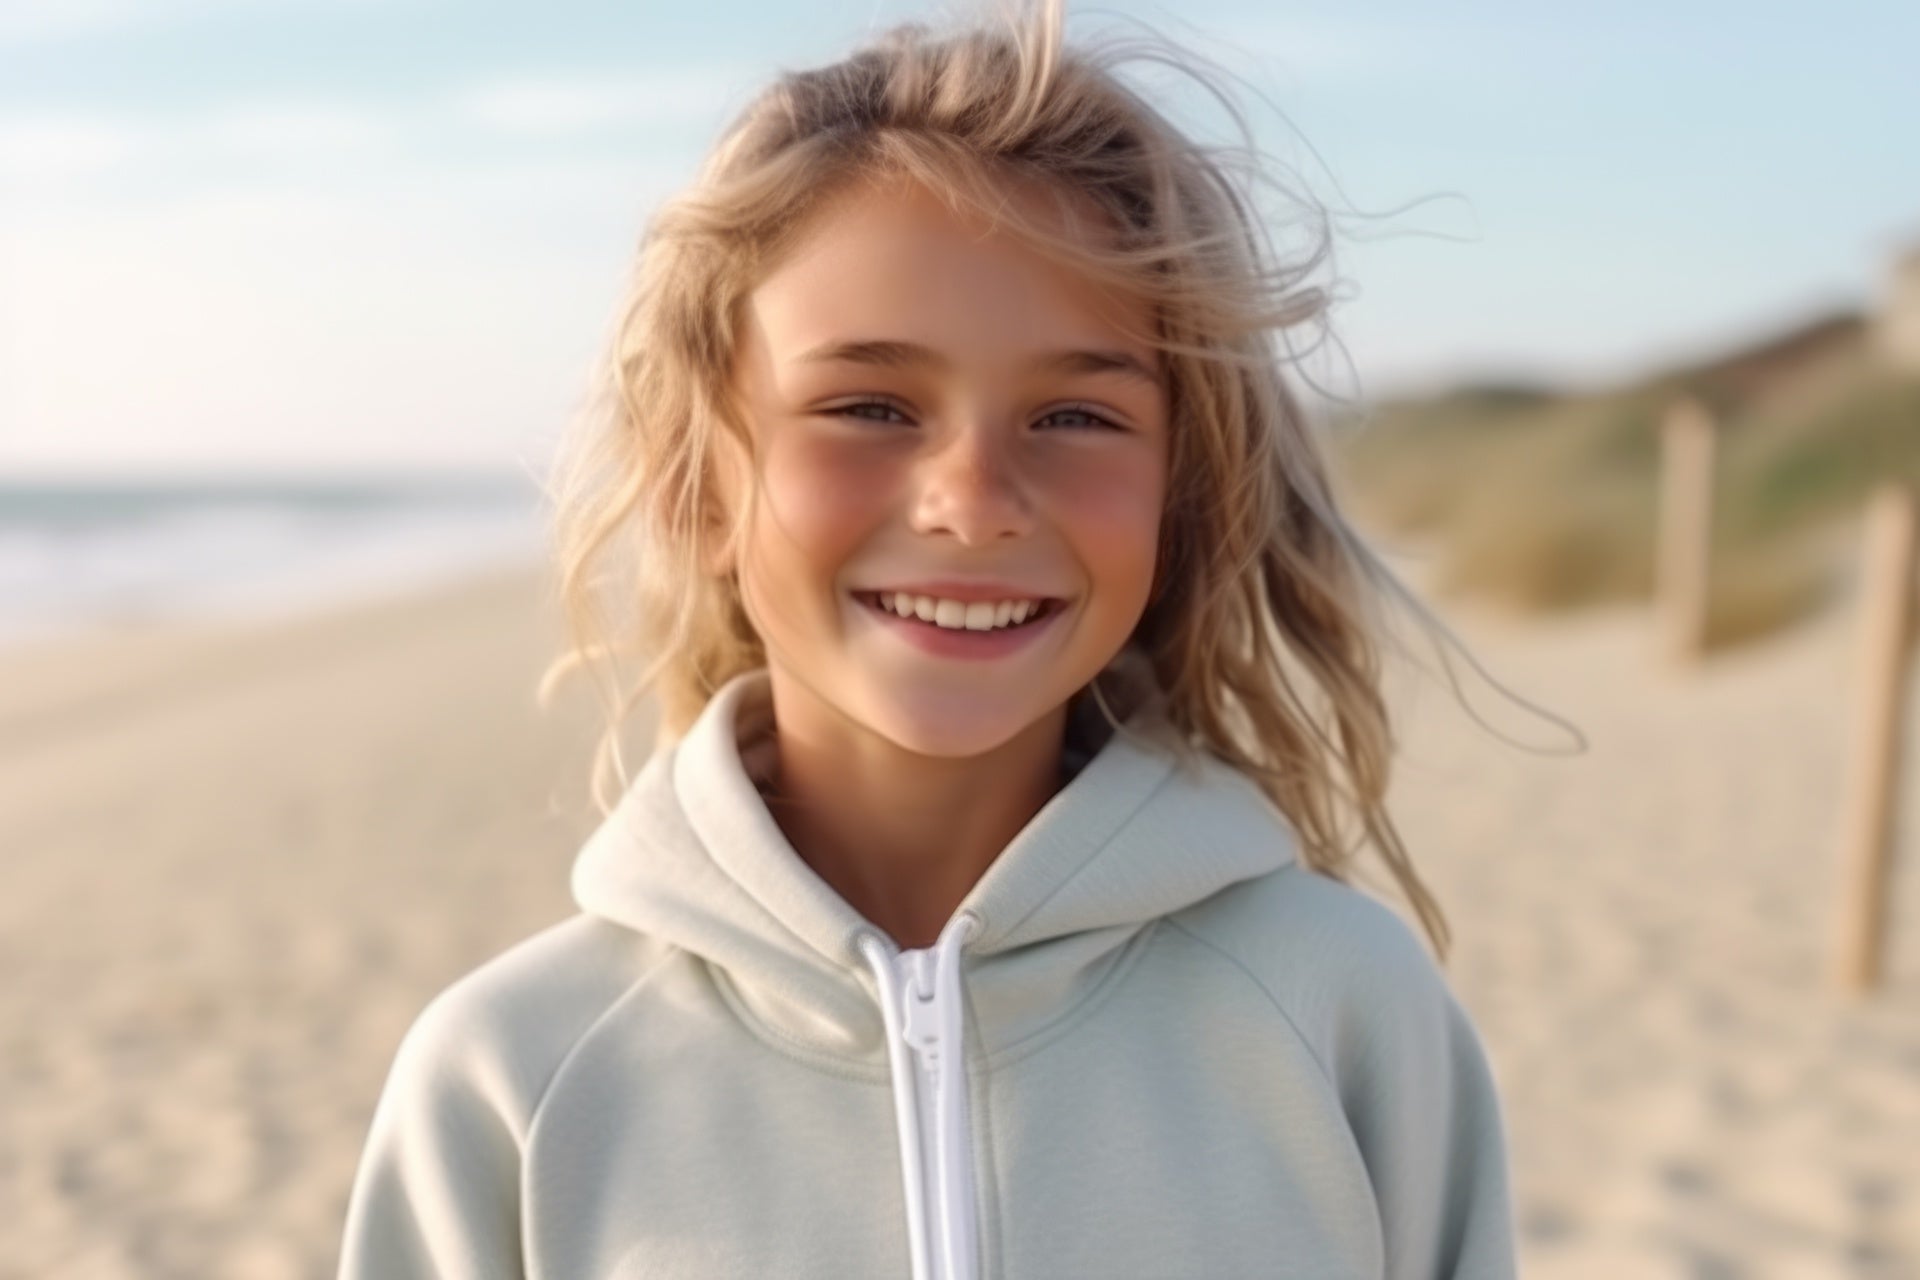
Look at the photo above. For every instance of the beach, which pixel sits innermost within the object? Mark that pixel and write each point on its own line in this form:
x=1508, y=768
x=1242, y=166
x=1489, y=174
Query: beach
x=239, y=858
x=238, y=861
x=1645, y=932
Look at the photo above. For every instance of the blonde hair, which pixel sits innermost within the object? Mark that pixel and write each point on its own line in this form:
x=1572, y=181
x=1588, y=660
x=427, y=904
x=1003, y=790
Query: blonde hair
x=1257, y=573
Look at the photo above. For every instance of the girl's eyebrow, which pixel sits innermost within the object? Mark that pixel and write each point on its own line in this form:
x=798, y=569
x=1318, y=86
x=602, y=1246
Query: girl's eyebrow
x=894, y=354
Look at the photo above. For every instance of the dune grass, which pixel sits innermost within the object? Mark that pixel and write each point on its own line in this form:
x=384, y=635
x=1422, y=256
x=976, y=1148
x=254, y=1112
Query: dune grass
x=1540, y=502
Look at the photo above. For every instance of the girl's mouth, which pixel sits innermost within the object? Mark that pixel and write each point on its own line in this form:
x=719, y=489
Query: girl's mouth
x=1045, y=609
x=959, y=642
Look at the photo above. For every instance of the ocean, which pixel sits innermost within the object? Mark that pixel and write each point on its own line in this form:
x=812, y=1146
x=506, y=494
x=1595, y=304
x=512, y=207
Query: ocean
x=80, y=555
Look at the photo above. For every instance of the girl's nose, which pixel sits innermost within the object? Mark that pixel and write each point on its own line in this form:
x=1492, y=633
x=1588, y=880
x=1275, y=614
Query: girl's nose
x=970, y=488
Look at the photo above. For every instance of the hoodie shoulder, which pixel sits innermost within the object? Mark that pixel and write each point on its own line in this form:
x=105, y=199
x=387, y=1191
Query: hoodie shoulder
x=515, y=1017
x=437, y=1188
x=1357, y=983
x=1352, y=976
x=1314, y=941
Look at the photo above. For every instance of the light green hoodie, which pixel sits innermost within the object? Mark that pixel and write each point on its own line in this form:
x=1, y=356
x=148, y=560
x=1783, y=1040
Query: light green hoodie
x=1186, y=1054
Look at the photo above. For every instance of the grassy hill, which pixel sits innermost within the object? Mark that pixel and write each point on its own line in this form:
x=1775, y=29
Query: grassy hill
x=1545, y=501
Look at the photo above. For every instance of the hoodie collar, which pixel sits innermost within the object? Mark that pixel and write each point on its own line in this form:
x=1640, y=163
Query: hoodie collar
x=692, y=855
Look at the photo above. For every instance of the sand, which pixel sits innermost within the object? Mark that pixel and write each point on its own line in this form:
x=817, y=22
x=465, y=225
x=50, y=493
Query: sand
x=236, y=860
x=1645, y=933
x=236, y=864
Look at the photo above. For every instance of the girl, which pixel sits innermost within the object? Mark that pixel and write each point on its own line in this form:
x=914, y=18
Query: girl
x=981, y=910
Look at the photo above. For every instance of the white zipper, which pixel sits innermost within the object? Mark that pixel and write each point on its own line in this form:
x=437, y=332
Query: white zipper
x=923, y=1008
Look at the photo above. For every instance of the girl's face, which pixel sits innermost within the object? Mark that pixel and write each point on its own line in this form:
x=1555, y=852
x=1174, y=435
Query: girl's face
x=934, y=403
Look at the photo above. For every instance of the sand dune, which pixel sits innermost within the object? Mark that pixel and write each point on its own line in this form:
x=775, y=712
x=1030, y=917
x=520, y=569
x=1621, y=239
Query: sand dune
x=238, y=861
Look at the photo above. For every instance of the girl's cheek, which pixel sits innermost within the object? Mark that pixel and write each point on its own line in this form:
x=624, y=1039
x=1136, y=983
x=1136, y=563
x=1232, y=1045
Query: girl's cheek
x=1112, y=519
x=1116, y=501
x=826, y=494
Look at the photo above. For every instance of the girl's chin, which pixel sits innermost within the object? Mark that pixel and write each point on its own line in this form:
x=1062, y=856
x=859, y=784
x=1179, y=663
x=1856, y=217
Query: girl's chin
x=956, y=722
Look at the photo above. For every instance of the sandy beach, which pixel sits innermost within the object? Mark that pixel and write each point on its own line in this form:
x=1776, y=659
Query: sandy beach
x=237, y=863
x=1644, y=933
x=239, y=859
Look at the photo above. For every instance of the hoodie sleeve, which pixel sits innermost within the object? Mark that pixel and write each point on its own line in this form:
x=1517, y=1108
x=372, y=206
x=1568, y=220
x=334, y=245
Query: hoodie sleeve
x=438, y=1187
x=1422, y=1102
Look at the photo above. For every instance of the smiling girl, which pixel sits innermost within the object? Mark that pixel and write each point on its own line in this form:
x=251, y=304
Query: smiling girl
x=981, y=910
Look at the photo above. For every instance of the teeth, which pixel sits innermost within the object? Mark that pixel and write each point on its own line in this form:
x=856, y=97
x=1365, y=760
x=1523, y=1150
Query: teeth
x=956, y=615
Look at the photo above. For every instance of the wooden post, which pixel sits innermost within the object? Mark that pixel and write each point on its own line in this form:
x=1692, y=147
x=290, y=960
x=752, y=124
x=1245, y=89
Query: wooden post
x=1869, y=818
x=1683, y=564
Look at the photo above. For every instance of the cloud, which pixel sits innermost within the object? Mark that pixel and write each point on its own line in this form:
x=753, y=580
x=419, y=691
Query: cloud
x=28, y=22
x=304, y=126
x=433, y=319
x=23, y=21
x=56, y=151
x=558, y=105
x=49, y=153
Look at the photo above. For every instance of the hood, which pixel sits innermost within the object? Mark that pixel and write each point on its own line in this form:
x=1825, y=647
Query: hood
x=692, y=856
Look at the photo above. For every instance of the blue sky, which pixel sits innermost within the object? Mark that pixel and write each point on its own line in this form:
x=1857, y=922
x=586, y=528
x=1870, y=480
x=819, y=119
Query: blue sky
x=330, y=234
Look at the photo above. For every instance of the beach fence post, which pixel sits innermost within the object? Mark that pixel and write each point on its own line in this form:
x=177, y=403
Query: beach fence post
x=1870, y=815
x=1683, y=554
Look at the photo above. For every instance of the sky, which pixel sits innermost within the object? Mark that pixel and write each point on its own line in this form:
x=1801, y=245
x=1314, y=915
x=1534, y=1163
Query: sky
x=303, y=236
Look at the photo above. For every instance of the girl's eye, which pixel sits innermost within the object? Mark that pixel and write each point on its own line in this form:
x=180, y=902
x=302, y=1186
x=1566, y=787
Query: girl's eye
x=876, y=411
x=1092, y=419
x=856, y=410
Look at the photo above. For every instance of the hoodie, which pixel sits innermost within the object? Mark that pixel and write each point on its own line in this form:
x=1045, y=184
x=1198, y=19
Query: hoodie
x=1150, y=1042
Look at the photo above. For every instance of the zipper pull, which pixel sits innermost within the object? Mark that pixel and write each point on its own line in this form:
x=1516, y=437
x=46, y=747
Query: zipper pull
x=920, y=1018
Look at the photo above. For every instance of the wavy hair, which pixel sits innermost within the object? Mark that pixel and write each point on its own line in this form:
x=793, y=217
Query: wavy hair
x=1262, y=625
